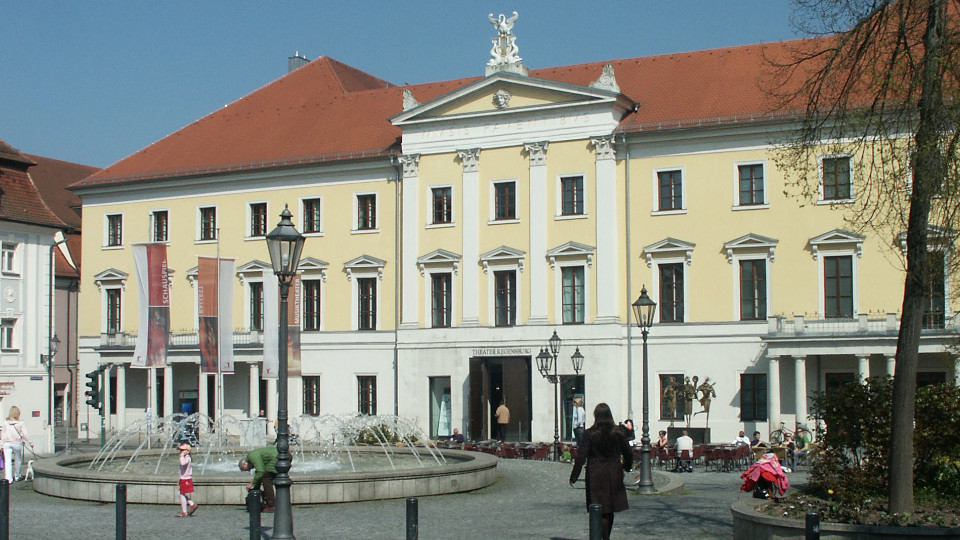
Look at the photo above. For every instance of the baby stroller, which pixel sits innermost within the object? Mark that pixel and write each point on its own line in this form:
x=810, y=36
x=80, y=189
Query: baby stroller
x=765, y=478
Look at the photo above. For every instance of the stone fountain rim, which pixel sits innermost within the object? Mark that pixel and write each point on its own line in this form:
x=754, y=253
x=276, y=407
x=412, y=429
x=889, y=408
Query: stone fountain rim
x=457, y=462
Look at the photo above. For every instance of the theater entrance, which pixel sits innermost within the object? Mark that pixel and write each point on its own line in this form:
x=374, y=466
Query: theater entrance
x=492, y=380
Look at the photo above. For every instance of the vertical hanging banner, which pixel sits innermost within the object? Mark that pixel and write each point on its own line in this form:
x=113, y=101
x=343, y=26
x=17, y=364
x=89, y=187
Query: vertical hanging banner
x=225, y=309
x=293, y=328
x=271, y=304
x=153, y=288
x=207, y=290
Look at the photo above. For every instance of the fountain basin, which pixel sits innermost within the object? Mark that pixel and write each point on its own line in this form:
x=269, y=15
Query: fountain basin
x=463, y=471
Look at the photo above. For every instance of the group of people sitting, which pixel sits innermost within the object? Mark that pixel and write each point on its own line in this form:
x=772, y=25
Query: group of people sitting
x=797, y=447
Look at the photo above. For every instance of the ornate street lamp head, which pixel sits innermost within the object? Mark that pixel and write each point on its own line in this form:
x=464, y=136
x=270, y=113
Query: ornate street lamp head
x=285, y=243
x=577, y=360
x=54, y=345
x=643, y=310
x=544, y=362
x=555, y=343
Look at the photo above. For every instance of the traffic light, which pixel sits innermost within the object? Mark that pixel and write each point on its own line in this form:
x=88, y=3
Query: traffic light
x=93, y=392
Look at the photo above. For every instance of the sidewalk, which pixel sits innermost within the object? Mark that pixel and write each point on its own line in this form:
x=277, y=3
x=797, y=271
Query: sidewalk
x=531, y=499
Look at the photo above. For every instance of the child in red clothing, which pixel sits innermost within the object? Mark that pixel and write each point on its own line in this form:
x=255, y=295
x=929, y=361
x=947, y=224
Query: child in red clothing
x=186, y=482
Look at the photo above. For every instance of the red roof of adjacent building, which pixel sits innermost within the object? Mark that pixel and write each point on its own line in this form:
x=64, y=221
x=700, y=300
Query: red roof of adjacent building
x=20, y=200
x=327, y=110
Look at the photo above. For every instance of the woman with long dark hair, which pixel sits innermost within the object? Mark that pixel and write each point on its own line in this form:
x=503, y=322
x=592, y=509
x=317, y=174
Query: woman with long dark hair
x=607, y=455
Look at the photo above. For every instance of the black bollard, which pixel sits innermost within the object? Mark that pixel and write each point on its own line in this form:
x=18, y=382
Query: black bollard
x=121, y=512
x=596, y=522
x=812, y=526
x=253, y=506
x=4, y=509
x=413, y=526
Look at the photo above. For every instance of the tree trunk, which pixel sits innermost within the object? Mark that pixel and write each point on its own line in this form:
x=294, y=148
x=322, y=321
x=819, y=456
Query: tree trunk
x=929, y=170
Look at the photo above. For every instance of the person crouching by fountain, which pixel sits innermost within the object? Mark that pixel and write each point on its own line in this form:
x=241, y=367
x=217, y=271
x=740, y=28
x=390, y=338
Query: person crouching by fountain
x=263, y=461
x=13, y=436
x=186, y=482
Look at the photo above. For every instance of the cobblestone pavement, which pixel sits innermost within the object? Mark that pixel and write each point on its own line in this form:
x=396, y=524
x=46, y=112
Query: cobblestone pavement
x=531, y=499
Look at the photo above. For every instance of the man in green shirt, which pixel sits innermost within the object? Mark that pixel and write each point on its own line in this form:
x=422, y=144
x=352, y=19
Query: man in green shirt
x=263, y=461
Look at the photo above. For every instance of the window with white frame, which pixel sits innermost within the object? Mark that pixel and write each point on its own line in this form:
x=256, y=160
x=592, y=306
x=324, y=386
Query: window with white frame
x=8, y=334
x=571, y=195
x=366, y=303
x=114, y=310
x=751, y=255
x=505, y=200
x=256, y=306
x=571, y=263
x=159, y=226
x=836, y=253
x=114, y=230
x=573, y=294
x=8, y=258
x=367, y=394
x=751, y=185
x=505, y=295
x=207, y=223
x=934, y=292
x=258, y=219
x=668, y=260
x=671, y=292
x=311, y=395
x=503, y=266
x=836, y=178
x=312, y=216
x=753, y=289
x=670, y=191
x=311, y=304
x=441, y=299
x=442, y=199
x=366, y=212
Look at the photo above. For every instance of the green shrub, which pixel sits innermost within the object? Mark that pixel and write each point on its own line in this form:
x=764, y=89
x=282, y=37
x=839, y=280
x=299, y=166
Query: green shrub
x=854, y=436
x=381, y=434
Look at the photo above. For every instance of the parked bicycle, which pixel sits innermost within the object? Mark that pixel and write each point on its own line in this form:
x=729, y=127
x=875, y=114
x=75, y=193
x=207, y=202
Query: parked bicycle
x=778, y=435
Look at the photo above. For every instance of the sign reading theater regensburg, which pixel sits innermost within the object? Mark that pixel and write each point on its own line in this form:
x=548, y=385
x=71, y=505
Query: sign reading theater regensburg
x=502, y=351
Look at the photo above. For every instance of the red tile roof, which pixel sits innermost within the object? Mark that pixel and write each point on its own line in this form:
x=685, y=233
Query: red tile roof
x=20, y=200
x=52, y=176
x=327, y=110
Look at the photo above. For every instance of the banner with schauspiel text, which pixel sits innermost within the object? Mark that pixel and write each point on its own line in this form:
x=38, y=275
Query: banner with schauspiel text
x=271, y=318
x=153, y=291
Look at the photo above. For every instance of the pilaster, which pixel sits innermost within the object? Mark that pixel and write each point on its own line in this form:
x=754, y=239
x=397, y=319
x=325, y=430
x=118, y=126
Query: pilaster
x=607, y=212
x=537, y=153
x=410, y=231
x=470, y=159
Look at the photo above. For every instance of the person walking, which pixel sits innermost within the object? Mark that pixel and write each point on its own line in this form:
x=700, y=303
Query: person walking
x=607, y=455
x=579, y=420
x=13, y=435
x=263, y=461
x=186, y=482
x=503, y=418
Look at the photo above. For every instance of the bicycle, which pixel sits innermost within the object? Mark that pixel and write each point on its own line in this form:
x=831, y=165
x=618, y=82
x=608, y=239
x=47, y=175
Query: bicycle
x=777, y=435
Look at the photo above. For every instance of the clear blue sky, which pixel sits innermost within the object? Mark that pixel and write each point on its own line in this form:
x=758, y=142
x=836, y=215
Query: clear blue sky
x=92, y=82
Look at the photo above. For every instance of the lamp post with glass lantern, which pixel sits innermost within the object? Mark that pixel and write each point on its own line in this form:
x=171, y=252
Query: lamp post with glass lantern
x=643, y=310
x=47, y=359
x=547, y=362
x=285, y=244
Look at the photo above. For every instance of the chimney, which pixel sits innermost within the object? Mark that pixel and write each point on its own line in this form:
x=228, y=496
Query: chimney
x=296, y=61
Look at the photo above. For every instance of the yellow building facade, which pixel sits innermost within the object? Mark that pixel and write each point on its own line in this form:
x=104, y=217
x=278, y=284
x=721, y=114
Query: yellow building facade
x=453, y=227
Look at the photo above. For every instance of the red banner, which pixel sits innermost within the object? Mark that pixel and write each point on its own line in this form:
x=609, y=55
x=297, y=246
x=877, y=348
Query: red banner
x=207, y=281
x=293, y=327
x=153, y=286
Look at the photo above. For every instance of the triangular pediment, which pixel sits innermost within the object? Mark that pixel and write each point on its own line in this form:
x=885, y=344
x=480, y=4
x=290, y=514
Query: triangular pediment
x=439, y=257
x=111, y=274
x=838, y=239
x=503, y=255
x=750, y=241
x=309, y=264
x=248, y=268
x=364, y=264
x=505, y=93
x=572, y=250
x=669, y=247
x=938, y=238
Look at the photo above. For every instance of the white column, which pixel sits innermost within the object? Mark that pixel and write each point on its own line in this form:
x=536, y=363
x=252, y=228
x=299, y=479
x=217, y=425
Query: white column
x=253, y=406
x=152, y=386
x=271, y=404
x=892, y=365
x=607, y=264
x=863, y=367
x=800, y=387
x=773, y=391
x=168, y=389
x=108, y=418
x=956, y=372
x=122, y=395
x=537, y=153
x=202, y=399
x=471, y=236
x=410, y=231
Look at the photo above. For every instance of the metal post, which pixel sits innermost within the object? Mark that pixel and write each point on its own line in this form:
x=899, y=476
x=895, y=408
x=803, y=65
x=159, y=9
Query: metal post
x=556, y=411
x=646, y=478
x=4, y=509
x=253, y=507
x=413, y=524
x=121, y=511
x=283, y=519
x=812, y=530
x=596, y=522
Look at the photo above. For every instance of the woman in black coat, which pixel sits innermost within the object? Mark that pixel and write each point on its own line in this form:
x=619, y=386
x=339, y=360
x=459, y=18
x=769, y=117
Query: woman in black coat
x=607, y=455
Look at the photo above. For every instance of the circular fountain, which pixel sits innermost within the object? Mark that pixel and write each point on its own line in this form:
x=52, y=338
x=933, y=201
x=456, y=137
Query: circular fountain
x=335, y=459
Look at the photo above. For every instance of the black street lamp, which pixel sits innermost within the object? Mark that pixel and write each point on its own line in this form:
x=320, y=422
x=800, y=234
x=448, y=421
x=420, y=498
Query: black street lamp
x=48, y=360
x=547, y=362
x=285, y=244
x=643, y=310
